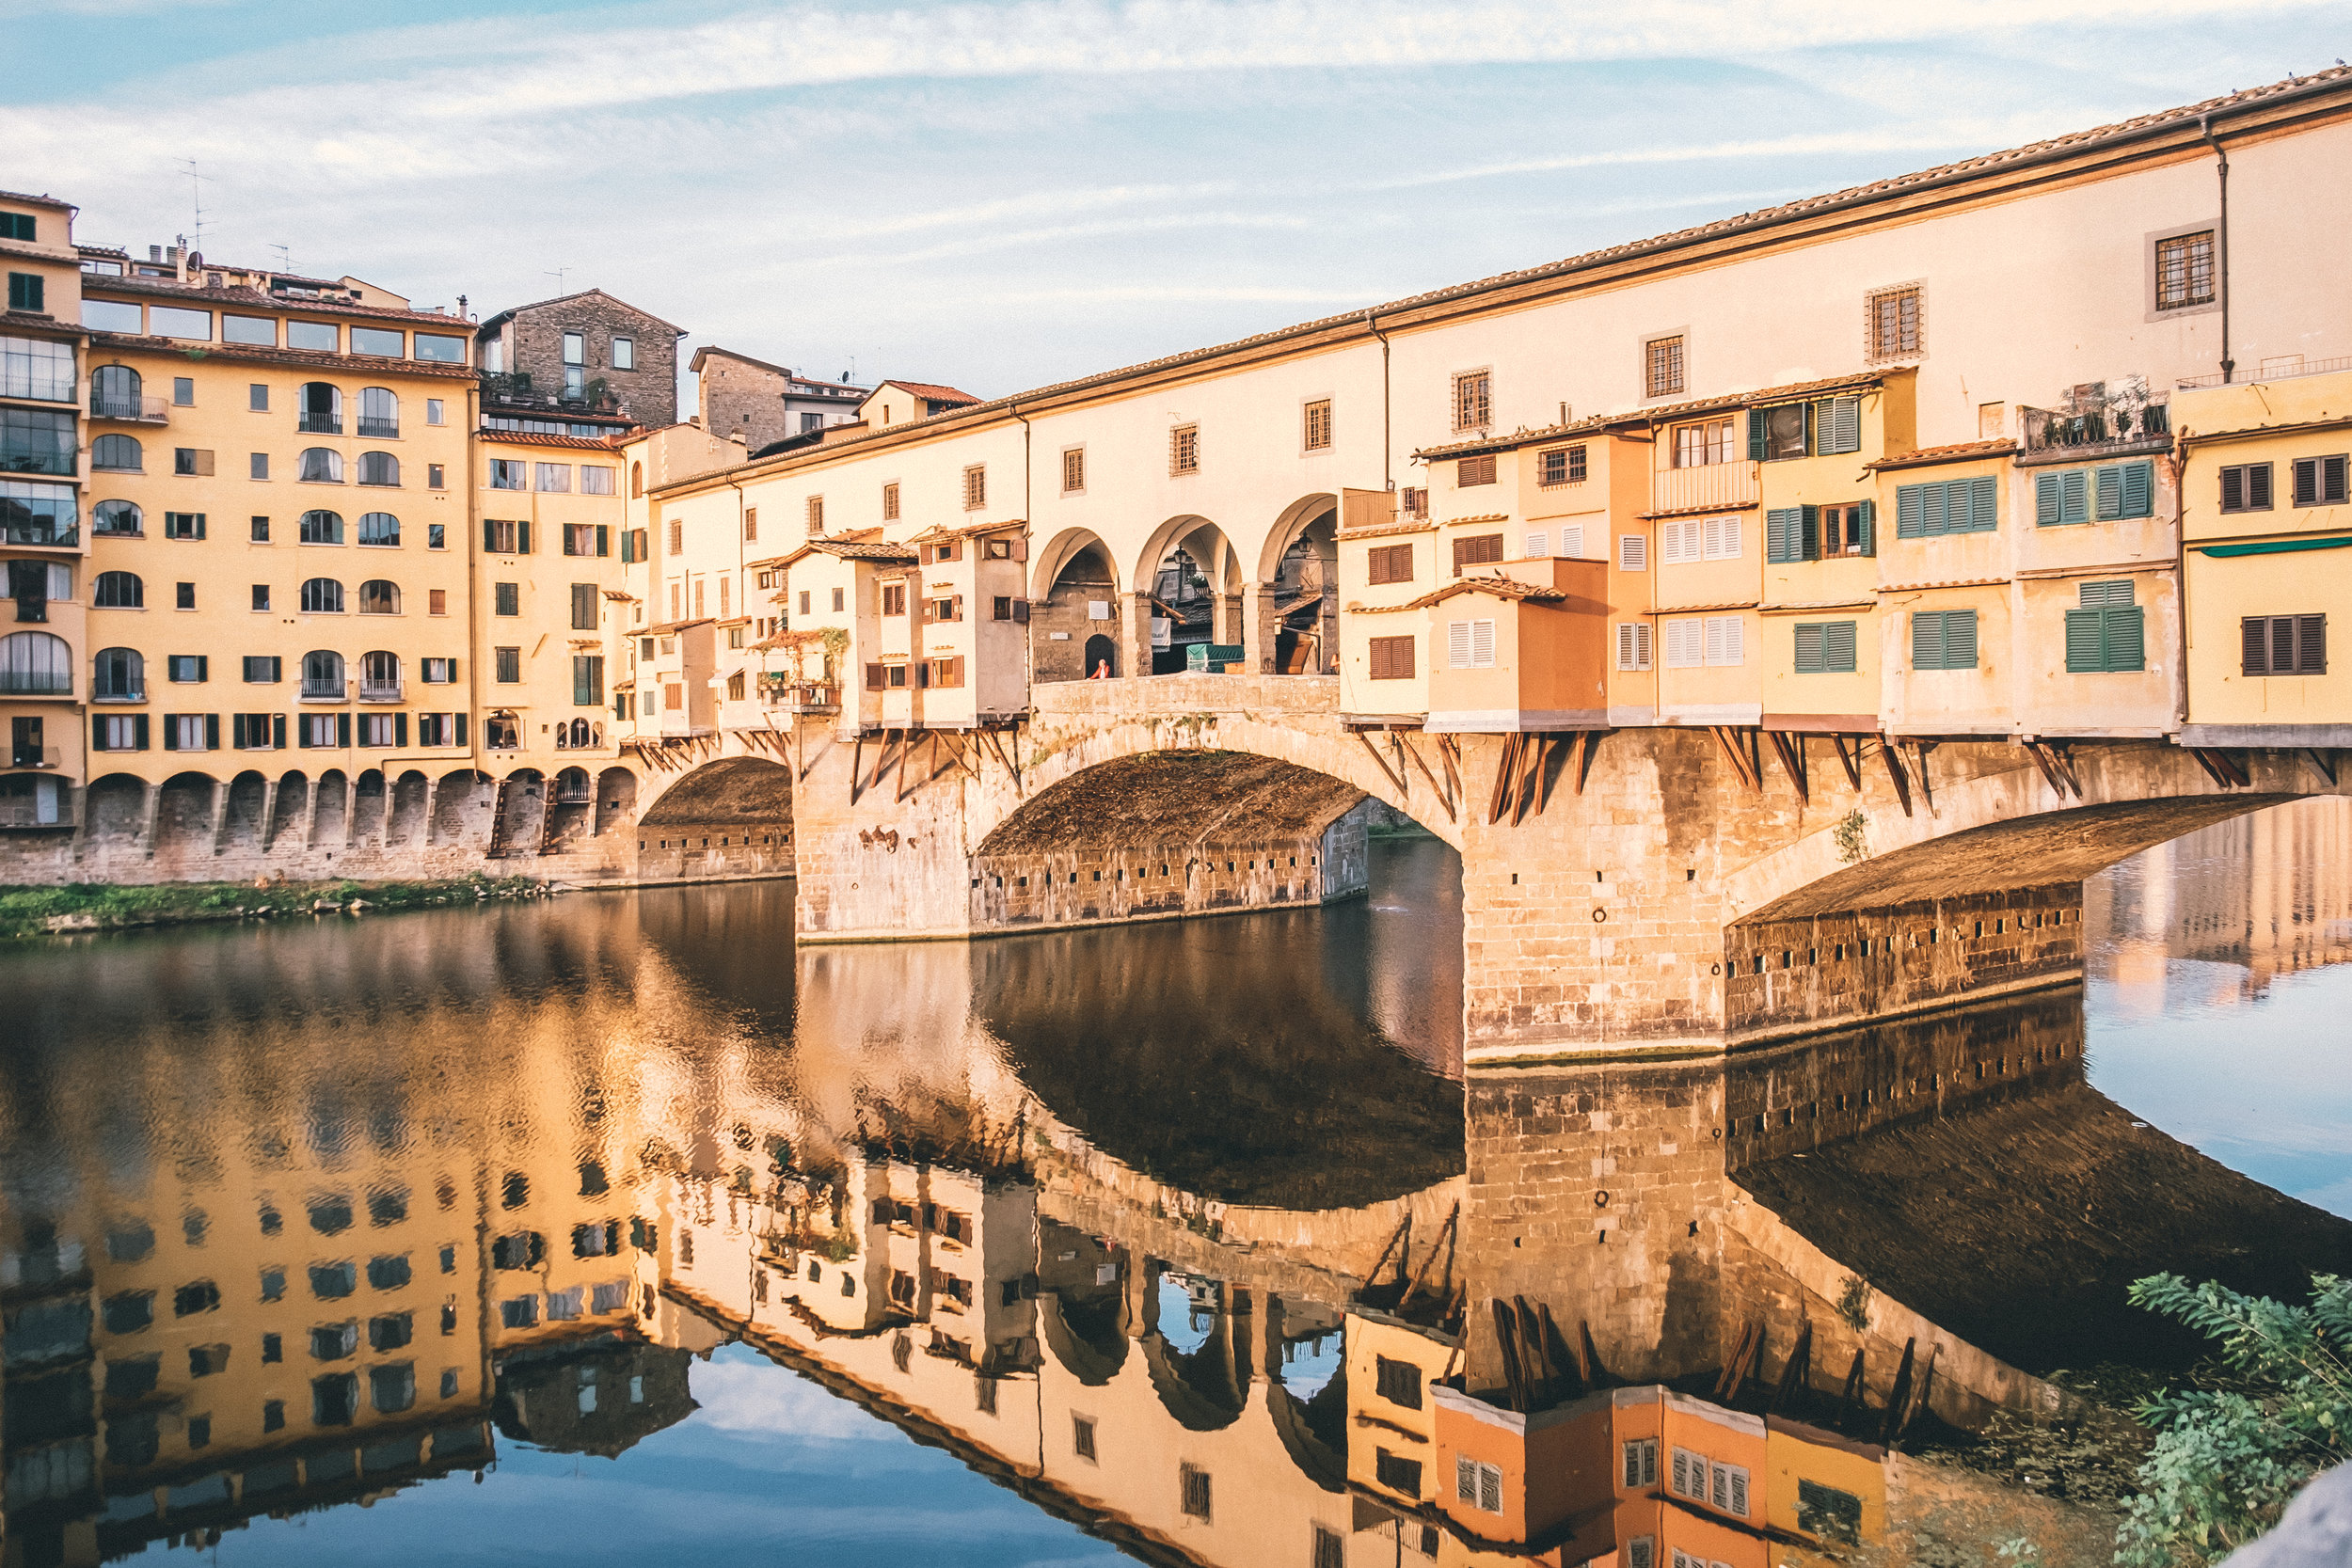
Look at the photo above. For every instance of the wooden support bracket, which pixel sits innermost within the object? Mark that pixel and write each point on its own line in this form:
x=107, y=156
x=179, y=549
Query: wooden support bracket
x=1892, y=756
x=1585, y=762
x=2322, y=762
x=1445, y=794
x=857, y=768
x=1393, y=774
x=1852, y=759
x=1744, y=764
x=1790, y=748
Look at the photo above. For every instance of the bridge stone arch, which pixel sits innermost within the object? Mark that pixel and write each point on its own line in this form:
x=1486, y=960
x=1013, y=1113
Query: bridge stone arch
x=725, y=817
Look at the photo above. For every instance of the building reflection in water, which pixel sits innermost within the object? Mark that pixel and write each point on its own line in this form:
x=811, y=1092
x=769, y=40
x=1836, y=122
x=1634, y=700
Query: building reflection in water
x=1154, y=1233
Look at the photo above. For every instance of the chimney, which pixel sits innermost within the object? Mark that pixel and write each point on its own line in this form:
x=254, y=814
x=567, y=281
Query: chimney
x=155, y=253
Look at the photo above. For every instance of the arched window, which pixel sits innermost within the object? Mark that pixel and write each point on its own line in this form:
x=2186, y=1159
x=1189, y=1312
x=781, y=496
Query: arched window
x=571, y=785
x=378, y=467
x=322, y=408
x=118, y=675
x=323, y=596
x=378, y=527
x=35, y=664
x=379, y=414
x=322, y=528
x=502, y=732
x=322, y=466
x=379, y=596
x=116, y=517
x=323, y=674
x=636, y=479
x=119, y=591
x=118, y=454
x=114, y=392
x=379, y=675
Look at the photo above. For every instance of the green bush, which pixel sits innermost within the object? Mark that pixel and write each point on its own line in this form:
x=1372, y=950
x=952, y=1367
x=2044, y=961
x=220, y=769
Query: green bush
x=2230, y=1457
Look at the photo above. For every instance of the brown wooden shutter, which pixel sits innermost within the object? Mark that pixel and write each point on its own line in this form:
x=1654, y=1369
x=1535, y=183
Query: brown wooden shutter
x=1474, y=470
x=2311, y=644
x=874, y=678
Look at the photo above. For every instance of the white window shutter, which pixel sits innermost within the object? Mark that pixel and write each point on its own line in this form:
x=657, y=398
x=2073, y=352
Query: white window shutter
x=1633, y=553
x=1641, y=645
x=1685, y=647
x=1720, y=1493
x=1572, y=542
x=1723, y=639
x=1537, y=546
x=1738, y=1491
x=1490, y=1489
x=1482, y=645
x=1457, y=645
x=1715, y=640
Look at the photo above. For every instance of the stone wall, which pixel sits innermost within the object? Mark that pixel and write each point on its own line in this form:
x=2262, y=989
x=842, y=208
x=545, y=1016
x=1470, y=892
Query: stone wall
x=647, y=394
x=742, y=398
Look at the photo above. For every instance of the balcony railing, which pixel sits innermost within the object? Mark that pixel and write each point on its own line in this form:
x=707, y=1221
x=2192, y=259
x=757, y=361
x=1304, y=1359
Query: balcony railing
x=2284, y=369
x=37, y=683
x=322, y=691
x=388, y=429
x=137, y=409
x=2095, y=433
x=31, y=610
x=33, y=756
x=320, y=424
x=1706, y=485
x=39, y=531
x=802, y=696
x=373, y=691
x=36, y=456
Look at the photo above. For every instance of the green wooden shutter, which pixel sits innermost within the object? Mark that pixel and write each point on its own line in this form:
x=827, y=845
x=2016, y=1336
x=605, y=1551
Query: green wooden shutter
x=1809, y=659
x=1837, y=647
x=2047, y=509
x=211, y=732
x=2093, y=596
x=2139, y=489
x=628, y=547
x=278, y=731
x=461, y=728
x=138, y=732
x=1911, y=511
x=2125, y=638
x=2075, y=497
x=522, y=536
x=400, y=730
x=2086, y=642
x=1868, y=514
x=1984, y=499
x=203, y=667
x=171, y=737
x=342, y=730
x=1756, y=435
x=238, y=730
x=1927, y=640
x=604, y=539
x=489, y=536
x=1809, y=544
x=1836, y=425
x=1781, y=542
x=1959, y=639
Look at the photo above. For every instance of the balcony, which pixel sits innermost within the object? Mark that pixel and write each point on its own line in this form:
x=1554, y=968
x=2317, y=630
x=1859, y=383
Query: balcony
x=387, y=430
x=24, y=452
x=324, y=692
x=41, y=683
x=33, y=756
x=320, y=424
x=2094, y=428
x=36, y=533
x=801, y=696
x=2283, y=368
x=132, y=410
x=1706, y=485
x=373, y=691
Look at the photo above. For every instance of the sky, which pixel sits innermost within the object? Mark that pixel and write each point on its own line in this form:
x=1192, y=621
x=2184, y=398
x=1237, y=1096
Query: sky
x=999, y=196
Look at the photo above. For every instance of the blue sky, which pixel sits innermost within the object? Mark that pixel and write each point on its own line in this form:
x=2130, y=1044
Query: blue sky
x=1003, y=195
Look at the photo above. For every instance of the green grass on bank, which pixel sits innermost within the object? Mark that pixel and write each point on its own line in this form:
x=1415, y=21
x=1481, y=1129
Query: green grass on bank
x=32, y=912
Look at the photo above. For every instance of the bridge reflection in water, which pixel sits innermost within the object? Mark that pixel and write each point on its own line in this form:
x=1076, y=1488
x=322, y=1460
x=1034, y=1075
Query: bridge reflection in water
x=1214, y=1279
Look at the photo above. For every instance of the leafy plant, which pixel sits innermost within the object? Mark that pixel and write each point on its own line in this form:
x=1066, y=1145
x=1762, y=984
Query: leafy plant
x=2228, y=1459
x=1852, y=836
x=1853, y=1302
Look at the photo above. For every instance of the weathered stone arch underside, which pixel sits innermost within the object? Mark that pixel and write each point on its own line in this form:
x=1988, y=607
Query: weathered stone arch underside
x=731, y=789
x=1176, y=797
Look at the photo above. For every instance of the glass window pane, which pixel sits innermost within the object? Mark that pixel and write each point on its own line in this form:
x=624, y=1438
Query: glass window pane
x=318, y=335
x=110, y=316
x=378, y=340
x=447, y=351
x=173, y=320
x=248, y=329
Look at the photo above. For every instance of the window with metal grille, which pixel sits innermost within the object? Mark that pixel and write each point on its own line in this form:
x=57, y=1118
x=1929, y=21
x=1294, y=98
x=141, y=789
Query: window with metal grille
x=1560, y=465
x=1183, y=449
x=2245, y=487
x=1391, y=660
x=976, y=487
x=1082, y=1437
x=1389, y=564
x=1195, y=1491
x=890, y=502
x=1825, y=647
x=1633, y=645
x=1473, y=399
x=1661, y=367
x=2319, y=481
x=1415, y=501
x=1396, y=1473
x=2106, y=632
x=1826, y=1512
x=2284, y=645
x=1896, y=323
x=2184, y=272
x=1477, y=550
x=1943, y=640
x=816, y=515
x=1315, y=425
x=1470, y=644
x=1074, y=470
x=1398, y=1381
x=1641, y=1552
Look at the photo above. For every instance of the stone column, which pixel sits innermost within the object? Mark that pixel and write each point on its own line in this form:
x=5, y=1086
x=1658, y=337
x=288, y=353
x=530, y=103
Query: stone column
x=1257, y=636
x=1135, y=635
x=150, y=809
x=267, y=830
x=220, y=815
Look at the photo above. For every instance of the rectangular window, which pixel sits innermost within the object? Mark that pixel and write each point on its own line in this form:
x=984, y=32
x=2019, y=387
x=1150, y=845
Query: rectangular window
x=1836, y=426
x=2106, y=632
x=2284, y=645
x=1194, y=1484
x=183, y=391
x=1894, y=323
x=165, y=321
x=436, y=671
x=1560, y=465
x=257, y=395
x=436, y=479
x=894, y=598
x=1473, y=471
x=1792, y=533
x=1479, y=551
x=258, y=732
x=509, y=663
x=583, y=607
x=27, y=291
x=436, y=601
x=2185, y=271
x=1476, y=1484
x=595, y=479
x=379, y=341
x=1662, y=368
x=1414, y=500
x=1082, y=1437
x=1697, y=446
x=118, y=732
x=506, y=599
x=1183, y=449
x=587, y=539
x=975, y=488
x=1825, y=647
x=1951, y=506
x=624, y=354
x=257, y=467
x=183, y=525
x=324, y=729
x=575, y=348
x=1634, y=647
x=1725, y=636
x=1074, y=470
x=1943, y=640
x=506, y=537
x=840, y=600
x=1389, y=564
x=507, y=474
x=383, y=729
x=1398, y=1381
x=1473, y=399
x=1686, y=643
x=2245, y=487
x=186, y=668
x=588, y=680
x=1469, y=644
x=1396, y=1473
x=17, y=226
x=1849, y=530
x=1687, y=539
x=1391, y=658
x=264, y=669
x=1782, y=432
x=555, y=477
x=2319, y=481
x=184, y=596
x=1633, y=552
x=195, y=460
x=1315, y=426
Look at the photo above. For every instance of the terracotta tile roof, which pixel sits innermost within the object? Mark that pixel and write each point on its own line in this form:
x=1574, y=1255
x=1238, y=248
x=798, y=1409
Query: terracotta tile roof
x=941, y=530
x=896, y=555
x=171, y=288
x=1502, y=588
x=489, y=321
x=532, y=438
x=45, y=200
x=1660, y=413
x=670, y=628
x=1965, y=451
x=1421, y=525
x=931, y=391
x=254, y=354
x=695, y=364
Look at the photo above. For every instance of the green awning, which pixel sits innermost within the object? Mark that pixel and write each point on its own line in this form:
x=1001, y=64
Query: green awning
x=2274, y=546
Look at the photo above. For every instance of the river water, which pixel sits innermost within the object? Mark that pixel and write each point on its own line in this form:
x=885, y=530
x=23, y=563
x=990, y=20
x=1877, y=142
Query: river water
x=613, y=1230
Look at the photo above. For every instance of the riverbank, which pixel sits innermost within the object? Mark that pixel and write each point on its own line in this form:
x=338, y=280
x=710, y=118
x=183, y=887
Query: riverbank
x=36, y=912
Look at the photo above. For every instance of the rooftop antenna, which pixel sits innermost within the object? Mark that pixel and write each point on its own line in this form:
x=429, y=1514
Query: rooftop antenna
x=558, y=275
x=285, y=257
x=196, y=189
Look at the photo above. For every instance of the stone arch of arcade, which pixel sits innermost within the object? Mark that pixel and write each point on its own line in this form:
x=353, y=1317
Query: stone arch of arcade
x=729, y=816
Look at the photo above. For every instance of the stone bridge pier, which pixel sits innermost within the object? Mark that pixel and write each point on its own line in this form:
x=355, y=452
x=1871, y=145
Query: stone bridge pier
x=1636, y=891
